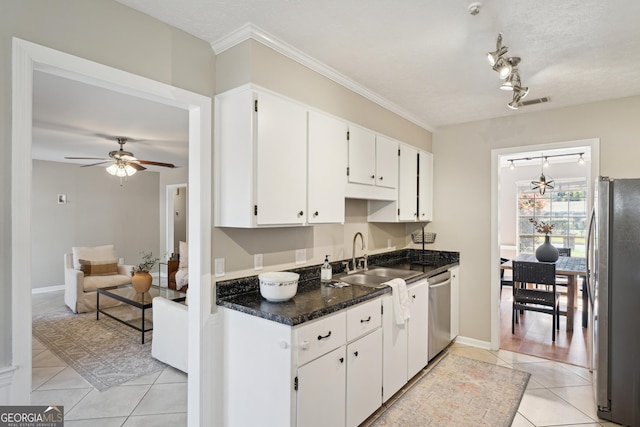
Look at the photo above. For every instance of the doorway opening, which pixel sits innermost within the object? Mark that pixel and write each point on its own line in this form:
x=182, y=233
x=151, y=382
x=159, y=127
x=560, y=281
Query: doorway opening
x=568, y=206
x=29, y=57
x=177, y=217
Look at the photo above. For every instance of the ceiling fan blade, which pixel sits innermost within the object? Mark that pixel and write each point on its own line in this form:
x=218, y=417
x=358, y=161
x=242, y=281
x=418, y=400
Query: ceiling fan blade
x=136, y=166
x=96, y=164
x=86, y=158
x=148, y=162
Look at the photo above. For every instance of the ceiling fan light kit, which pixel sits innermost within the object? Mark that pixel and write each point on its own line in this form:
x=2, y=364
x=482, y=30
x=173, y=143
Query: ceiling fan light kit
x=507, y=69
x=124, y=163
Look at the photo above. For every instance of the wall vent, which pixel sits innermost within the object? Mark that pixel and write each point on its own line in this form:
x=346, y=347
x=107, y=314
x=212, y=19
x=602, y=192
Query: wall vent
x=534, y=101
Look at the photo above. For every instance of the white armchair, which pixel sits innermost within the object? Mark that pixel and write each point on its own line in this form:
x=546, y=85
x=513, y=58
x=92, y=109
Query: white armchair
x=170, y=330
x=80, y=288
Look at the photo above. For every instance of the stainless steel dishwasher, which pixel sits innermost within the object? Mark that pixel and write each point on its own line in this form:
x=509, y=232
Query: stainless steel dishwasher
x=439, y=313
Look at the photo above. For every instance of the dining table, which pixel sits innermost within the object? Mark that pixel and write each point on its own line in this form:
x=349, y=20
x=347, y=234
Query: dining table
x=573, y=268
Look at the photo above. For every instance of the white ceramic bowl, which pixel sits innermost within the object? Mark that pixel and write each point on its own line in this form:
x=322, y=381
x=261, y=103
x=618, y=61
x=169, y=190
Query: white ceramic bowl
x=278, y=285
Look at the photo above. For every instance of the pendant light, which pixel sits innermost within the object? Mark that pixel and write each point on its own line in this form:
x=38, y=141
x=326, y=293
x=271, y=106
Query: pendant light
x=543, y=183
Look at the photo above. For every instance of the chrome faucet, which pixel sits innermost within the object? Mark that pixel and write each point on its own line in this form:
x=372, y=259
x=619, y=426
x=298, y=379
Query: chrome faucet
x=353, y=251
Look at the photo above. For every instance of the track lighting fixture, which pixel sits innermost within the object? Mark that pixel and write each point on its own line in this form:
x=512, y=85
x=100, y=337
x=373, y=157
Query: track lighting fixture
x=544, y=183
x=507, y=69
x=545, y=158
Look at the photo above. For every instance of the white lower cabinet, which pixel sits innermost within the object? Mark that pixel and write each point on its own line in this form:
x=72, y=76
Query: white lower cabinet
x=364, y=378
x=344, y=387
x=455, y=301
x=418, y=339
x=405, y=347
x=333, y=371
x=318, y=405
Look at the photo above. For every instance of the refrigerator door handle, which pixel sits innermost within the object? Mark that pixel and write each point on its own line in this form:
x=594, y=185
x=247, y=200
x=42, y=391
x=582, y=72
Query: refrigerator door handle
x=590, y=235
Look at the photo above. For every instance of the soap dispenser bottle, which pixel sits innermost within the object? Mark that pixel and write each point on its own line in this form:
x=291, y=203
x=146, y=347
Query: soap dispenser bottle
x=325, y=270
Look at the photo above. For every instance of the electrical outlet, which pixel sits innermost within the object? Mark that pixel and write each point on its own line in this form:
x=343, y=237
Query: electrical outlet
x=388, y=243
x=301, y=256
x=257, y=262
x=219, y=267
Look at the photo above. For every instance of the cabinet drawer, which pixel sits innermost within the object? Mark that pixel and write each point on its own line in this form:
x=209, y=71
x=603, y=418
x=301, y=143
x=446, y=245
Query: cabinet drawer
x=320, y=337
x=363, y=318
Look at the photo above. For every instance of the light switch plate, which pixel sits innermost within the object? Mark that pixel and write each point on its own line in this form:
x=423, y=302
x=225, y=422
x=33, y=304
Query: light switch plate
x=219, y=267
x=257, y=262
x=301, y=256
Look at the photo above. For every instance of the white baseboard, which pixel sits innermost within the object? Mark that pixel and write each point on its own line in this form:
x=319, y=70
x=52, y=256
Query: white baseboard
x=6, y=382
x=472, y=342
x=47, y=289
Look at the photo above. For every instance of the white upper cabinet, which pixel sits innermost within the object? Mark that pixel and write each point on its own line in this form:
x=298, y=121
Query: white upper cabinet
x=362, y=156
x=408, y=184
x=425, y=186
x=281, y=161
x=386, y=162
x=415, y=190
x=260, y=157
x=372, y=165
x=325, y=175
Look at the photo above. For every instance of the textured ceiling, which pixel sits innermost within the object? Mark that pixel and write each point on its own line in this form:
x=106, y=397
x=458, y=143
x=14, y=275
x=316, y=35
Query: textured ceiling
x=427, y=57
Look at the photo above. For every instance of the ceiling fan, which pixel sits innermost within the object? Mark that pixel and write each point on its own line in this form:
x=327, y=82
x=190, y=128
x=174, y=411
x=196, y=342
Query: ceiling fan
x=123, y=163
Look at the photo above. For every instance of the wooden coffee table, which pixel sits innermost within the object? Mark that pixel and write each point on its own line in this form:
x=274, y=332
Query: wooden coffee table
x=142, y=301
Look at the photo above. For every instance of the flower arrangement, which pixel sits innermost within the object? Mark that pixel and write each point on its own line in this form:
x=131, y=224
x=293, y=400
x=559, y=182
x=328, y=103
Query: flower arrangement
x=542, y=227
x=148, y=261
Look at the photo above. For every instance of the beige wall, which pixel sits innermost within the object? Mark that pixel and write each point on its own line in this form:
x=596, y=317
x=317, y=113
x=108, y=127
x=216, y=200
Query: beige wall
x=253, y=62
x=98, y=212
x=462, y=176
x=103, y=31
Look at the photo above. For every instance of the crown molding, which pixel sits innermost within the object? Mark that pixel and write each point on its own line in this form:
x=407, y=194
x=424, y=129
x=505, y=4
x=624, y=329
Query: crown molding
x=251, y=31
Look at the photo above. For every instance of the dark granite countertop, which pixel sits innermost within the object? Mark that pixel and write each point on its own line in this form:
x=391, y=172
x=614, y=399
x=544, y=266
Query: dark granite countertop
x=315, y=299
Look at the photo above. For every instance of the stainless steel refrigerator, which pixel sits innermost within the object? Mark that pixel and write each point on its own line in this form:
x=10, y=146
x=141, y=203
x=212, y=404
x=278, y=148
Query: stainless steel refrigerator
x=613, y=254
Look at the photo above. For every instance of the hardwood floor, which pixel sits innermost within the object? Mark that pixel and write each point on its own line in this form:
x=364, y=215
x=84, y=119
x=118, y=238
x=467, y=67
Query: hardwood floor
x=533, y=334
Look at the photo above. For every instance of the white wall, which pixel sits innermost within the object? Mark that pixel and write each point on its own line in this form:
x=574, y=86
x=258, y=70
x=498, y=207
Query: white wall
x=462, y=177
x=98, y=212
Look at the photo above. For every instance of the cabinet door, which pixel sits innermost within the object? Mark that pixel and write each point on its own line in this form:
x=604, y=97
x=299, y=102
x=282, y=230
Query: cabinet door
x=408, y=184
x=364, y=377
x=327, y=160
x=386, y=162
x=394, y=351
x=281, y=148
x=362, y=156
x=455, y=298
x=425, y=184
x=321, y=391
x=417, y=354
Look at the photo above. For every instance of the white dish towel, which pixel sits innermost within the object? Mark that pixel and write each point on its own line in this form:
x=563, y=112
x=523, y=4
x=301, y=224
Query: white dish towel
x=400, y=297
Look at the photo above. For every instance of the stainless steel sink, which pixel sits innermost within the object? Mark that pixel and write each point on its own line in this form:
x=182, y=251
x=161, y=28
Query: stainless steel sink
x=392, y=273
x=363, y=280
x=376, y=276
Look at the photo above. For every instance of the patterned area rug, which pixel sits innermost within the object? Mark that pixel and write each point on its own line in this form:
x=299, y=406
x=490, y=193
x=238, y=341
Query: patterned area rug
x=106, y=353
x=459, y=392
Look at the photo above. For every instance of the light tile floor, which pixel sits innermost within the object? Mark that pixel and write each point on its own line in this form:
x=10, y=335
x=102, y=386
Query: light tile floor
x=157, y=400
x=558, y=394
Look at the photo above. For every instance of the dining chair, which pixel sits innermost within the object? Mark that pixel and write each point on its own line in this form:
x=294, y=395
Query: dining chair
x=506, y=277
x=563, y=280
x=539, y=300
